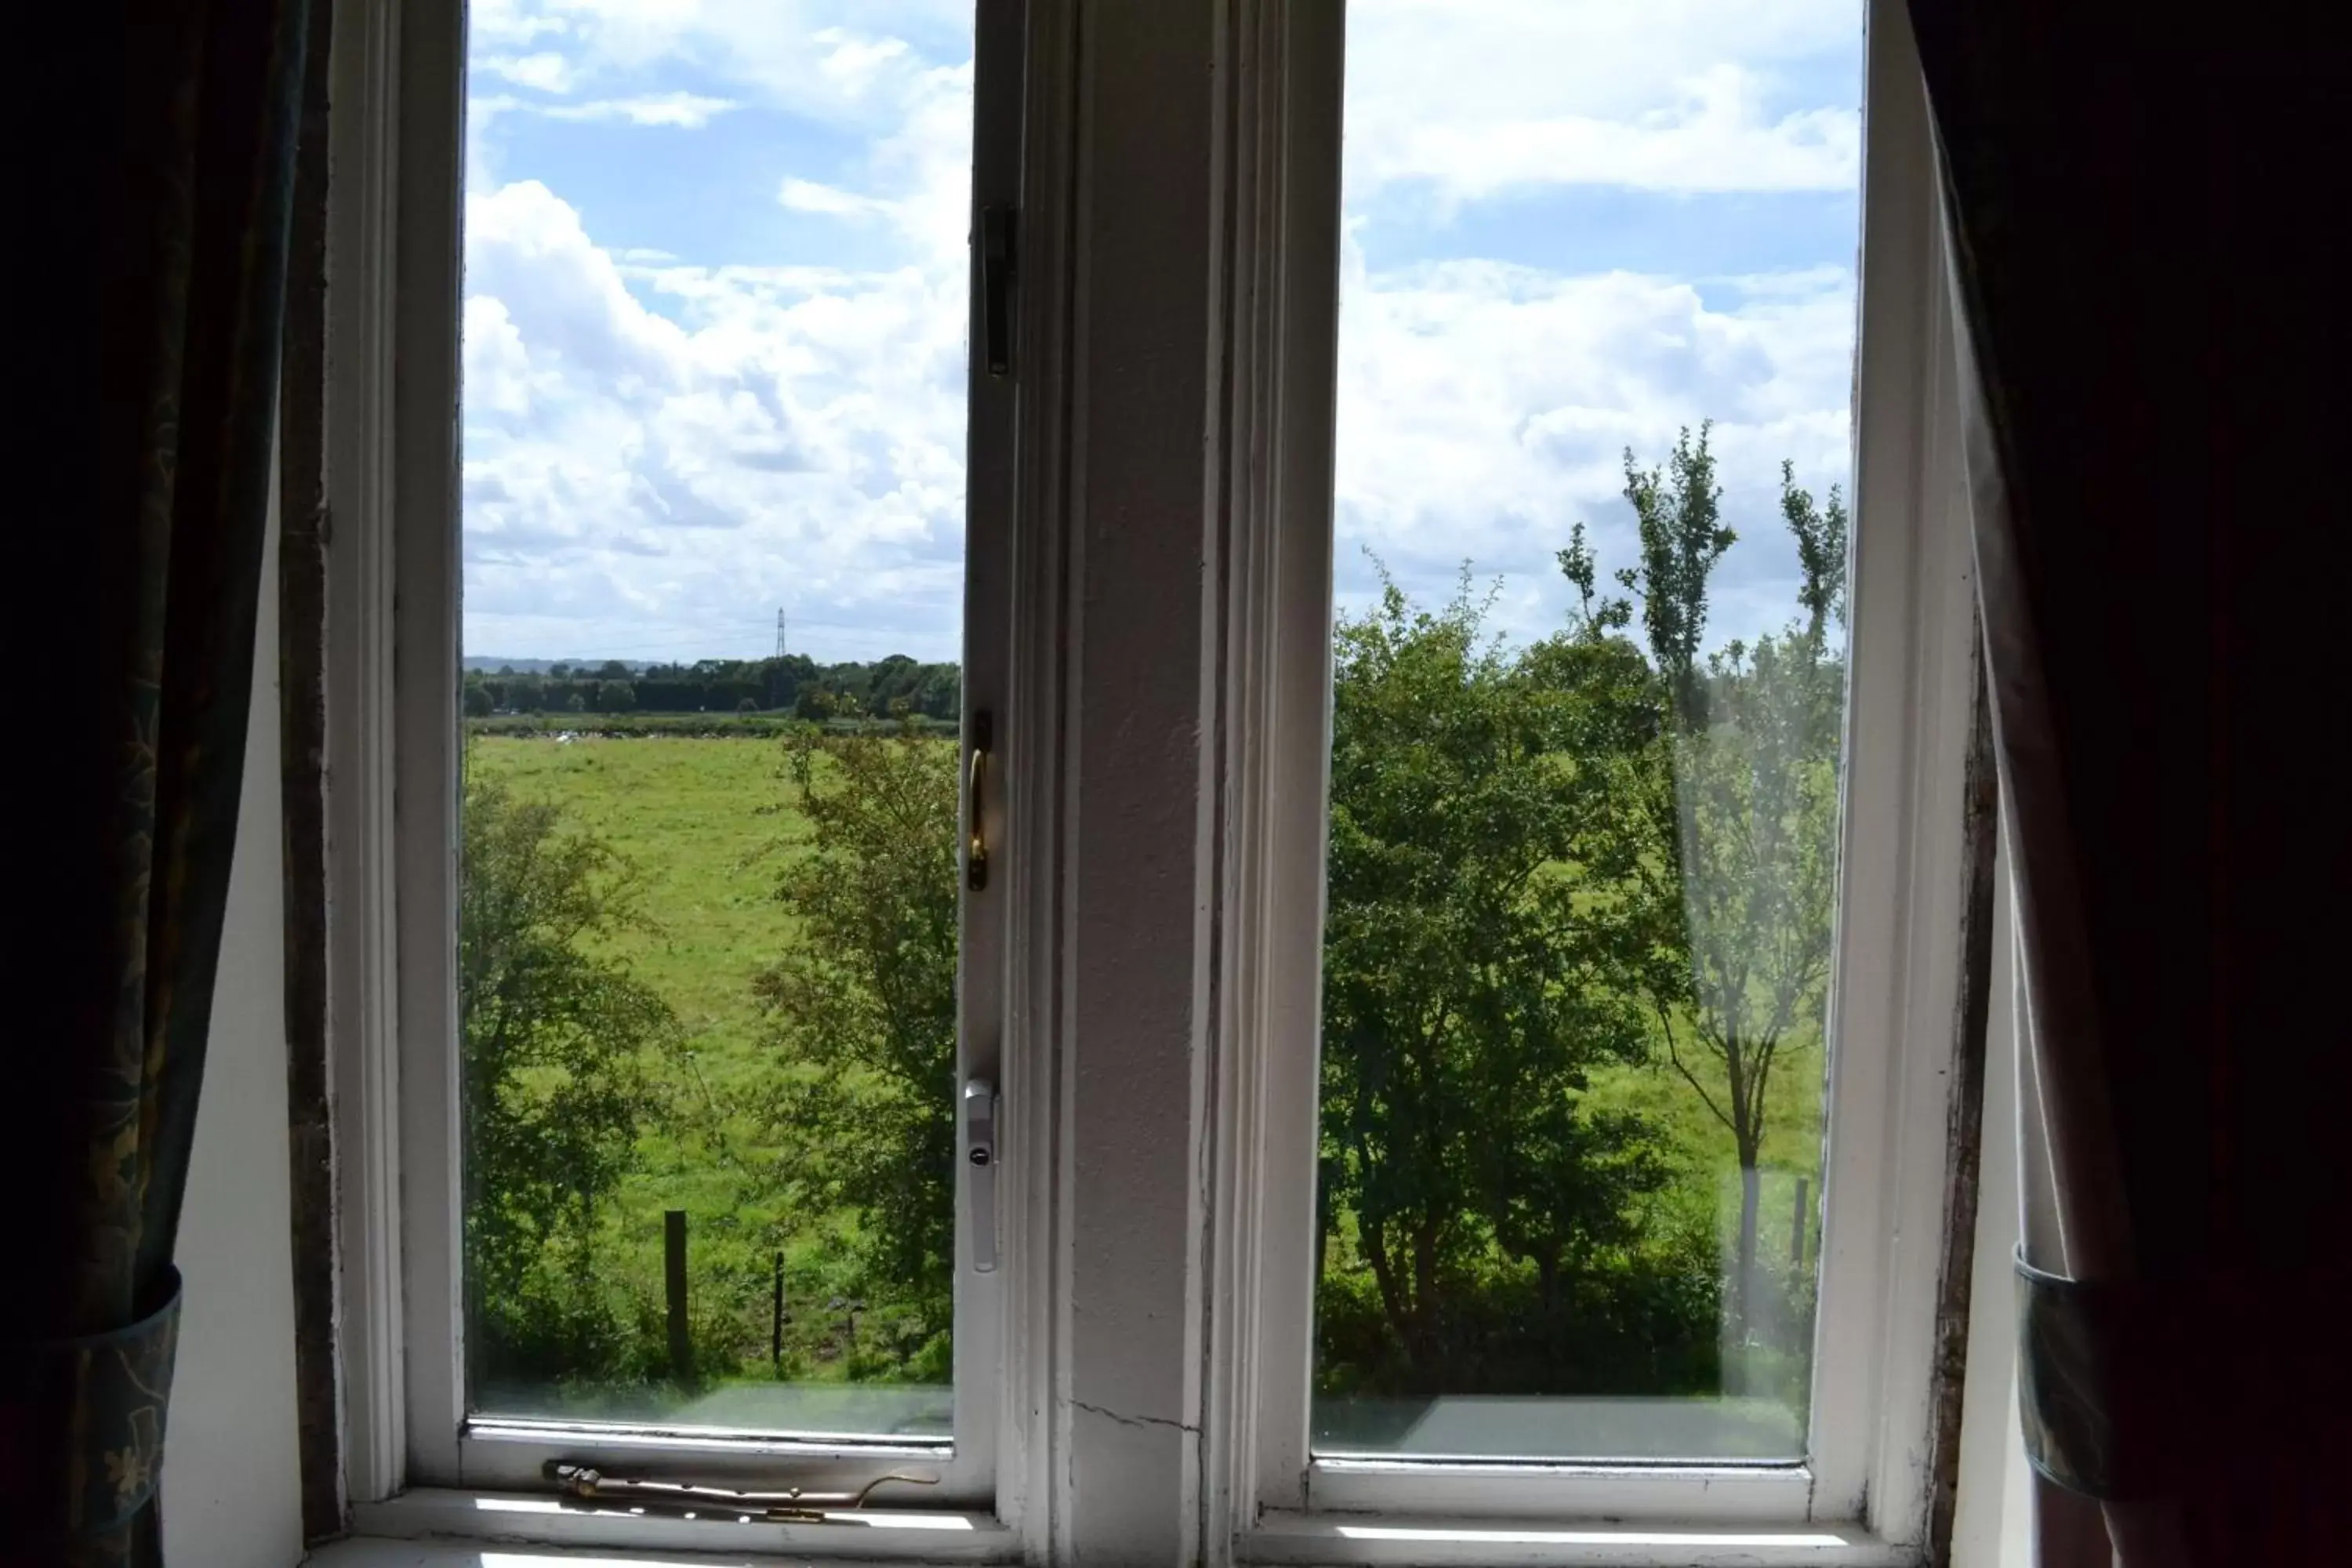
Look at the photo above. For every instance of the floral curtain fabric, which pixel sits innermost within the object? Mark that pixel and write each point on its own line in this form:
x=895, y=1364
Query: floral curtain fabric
x=153, y=141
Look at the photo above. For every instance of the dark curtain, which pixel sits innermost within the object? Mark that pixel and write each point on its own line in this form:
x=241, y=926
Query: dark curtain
x=2146, y=214
x=149, y=154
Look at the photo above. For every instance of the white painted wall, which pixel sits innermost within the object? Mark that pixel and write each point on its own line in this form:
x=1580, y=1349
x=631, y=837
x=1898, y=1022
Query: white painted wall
x=232, y=1495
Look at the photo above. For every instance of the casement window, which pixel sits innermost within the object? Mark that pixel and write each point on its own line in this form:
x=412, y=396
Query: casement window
x=501, y=1025
x=1411, y=1368
x=1426, y=1083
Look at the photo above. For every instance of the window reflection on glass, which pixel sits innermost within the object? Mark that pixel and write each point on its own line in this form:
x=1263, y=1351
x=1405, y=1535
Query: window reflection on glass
x=1596, y=332
x=713, y=540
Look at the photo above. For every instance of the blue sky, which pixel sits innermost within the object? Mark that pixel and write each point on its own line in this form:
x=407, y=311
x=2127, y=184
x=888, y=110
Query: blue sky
x=714, y=315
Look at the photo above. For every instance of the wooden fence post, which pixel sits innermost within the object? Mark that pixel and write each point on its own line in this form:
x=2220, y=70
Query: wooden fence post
x=776, y=1328
x=681, y=1343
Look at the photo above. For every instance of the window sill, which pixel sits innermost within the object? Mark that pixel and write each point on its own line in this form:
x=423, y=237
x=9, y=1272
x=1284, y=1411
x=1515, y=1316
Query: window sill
x=444, y=1528
x=1326, y=1539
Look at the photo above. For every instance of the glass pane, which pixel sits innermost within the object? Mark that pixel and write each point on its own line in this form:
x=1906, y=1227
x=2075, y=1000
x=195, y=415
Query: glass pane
x=1596, y=339
x=714, y=545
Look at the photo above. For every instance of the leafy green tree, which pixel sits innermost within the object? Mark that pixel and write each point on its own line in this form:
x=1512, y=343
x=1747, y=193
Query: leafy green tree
x=616, y=697
x=1468, y=953
x=862, y=1010
x=1738, y=810
x=478, y=702
x=557, y=1045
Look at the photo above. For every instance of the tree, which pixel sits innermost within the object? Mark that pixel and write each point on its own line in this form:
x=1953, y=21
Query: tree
x=477, y=700
x=616, y=697
x=1467, y=963
x=1738, y=808
x=557, y=1041
x=863, y=1008
x=1677, y=516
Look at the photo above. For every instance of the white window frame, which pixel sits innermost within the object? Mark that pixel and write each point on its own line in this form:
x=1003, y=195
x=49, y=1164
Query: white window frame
x=1112, y=1435
x=1860, y=1492
x=417, y=1462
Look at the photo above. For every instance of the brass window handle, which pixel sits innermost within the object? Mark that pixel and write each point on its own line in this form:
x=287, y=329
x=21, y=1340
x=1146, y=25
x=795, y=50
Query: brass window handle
x=975, y=859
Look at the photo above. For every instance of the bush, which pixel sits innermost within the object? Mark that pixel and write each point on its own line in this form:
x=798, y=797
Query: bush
x=1644, y=1322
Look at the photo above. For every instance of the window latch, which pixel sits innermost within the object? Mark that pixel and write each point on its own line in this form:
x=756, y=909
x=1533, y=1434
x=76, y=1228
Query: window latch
x=975, y=860
x=997, y=262
x=980, y=1149
x=790, y=1505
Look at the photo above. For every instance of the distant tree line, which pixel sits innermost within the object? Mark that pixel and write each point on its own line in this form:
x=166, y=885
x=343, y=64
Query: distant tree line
x=795, y=684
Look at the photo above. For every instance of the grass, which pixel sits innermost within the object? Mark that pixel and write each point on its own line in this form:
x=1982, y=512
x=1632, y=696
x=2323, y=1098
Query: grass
x=707, y=825
x=705, y=822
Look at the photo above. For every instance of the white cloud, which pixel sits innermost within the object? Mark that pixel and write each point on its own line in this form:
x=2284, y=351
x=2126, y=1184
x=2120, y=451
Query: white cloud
x=841, y=62
x=920, y=173
x=543, y=72
x=687, y=110
x=497, y=365
x=510, y=23
x=830, y=201
x=797, y=436
x=664, y=449
x=1715, y=136
x=1485, y=409
x=1479, y=95
x=856, y=63
x=661, y=450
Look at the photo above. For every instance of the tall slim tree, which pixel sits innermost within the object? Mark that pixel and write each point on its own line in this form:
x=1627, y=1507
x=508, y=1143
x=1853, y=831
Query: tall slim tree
x=1739, y=811
x=1677, y=514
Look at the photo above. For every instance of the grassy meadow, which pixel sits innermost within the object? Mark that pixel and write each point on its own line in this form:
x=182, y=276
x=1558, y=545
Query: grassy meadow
x=704, y=827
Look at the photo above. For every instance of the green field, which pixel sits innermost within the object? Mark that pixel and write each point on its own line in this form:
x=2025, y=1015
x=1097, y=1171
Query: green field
x=705, y=822
x=706, y=825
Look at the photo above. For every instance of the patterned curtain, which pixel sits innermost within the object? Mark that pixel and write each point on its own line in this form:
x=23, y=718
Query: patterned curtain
x=2146, y=208
x=149, y=148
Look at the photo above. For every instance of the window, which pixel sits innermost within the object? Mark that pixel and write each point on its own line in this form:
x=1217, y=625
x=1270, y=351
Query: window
x=1584, y=1170
x=1186, y=1348
x=1589, y=677
x=698, y=672
x=709, y=873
